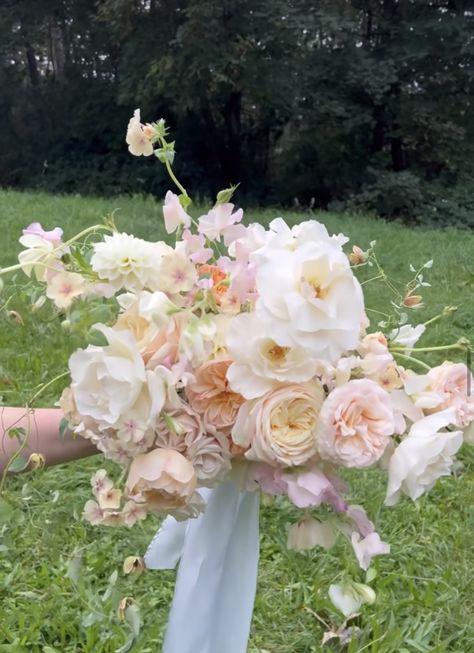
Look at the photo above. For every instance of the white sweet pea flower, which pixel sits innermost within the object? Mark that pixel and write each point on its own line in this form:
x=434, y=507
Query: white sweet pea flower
x=41, y=256
x=259, y=362
x=138, y=142
x=219, y=220
x=309, y=532
x=423, y=456
x=407, y=336
x=125, y=261
x=349, y=597
x=174, y=214
x=110, y=383
x=310, y=298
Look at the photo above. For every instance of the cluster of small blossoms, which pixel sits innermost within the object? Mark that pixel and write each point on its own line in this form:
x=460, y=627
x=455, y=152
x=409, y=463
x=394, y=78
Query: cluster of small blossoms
x=244, y=352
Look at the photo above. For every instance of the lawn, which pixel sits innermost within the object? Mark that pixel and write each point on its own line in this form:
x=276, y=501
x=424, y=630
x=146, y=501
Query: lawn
x=61, y=579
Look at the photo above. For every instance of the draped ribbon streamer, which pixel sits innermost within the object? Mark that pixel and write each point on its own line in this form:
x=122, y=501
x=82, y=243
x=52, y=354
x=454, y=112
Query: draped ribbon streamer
x=217, y=576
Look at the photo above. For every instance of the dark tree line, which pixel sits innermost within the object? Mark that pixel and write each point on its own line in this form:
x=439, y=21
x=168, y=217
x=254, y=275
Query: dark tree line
x=339, y=103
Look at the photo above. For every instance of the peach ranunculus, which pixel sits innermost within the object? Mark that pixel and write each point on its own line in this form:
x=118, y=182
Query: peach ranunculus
x=355, y=424
x=280, y=427
x=163, y=479
x=211, y=396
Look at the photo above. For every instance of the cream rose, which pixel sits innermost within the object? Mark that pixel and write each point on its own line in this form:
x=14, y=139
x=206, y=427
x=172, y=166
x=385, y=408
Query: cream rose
x=280, y=427
x=110, y=383
x=163, y=479
x=356, y=422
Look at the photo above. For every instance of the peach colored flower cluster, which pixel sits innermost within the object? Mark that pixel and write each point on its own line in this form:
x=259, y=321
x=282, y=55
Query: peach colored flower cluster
x=239, y=346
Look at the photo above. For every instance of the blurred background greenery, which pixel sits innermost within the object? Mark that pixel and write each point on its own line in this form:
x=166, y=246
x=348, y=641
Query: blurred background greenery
x=360, y=105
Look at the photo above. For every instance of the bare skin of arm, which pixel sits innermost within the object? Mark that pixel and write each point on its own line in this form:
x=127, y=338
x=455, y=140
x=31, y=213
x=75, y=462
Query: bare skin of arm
x=44, y=437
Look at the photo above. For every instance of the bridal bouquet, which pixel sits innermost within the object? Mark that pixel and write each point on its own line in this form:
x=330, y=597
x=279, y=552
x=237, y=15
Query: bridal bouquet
x=243, y=353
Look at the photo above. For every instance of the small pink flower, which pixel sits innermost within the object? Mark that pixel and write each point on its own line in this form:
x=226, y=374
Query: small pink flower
x=63, y=287
x=215, y=223
x=451, y=382
x=195, y=247
x=35, y=229
x=356, y=422
x=137, y=139
x=311, y=487
x=365, y=549
x=174, y=213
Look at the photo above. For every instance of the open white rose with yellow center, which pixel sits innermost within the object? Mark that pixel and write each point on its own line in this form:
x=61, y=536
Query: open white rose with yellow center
x=111, y=382
x=259, y=362
x=280, y=427
x=355, y=425
x=310, y=298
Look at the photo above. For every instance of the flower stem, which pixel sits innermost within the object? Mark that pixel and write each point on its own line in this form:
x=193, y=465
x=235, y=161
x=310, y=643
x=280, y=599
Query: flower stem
x=411, y=358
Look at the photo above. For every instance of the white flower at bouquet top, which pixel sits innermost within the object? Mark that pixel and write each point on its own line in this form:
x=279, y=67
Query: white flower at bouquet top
x=308, y=295
x=125, y=261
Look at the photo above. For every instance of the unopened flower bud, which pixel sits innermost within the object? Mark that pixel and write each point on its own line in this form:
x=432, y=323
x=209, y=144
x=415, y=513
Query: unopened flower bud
x=16, y=317
x=133, y=565
x=36, y=461
x=358, y=256
x=412, y=301
x=125, y=603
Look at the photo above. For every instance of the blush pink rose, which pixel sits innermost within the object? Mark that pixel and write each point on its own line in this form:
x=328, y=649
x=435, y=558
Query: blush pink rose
x=356, y=423
x=211, y=396
x=280, y=427
x=452, y=382
x=163, y=479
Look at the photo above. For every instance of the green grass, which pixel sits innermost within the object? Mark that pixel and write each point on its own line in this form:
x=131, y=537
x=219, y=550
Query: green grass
x=424, y=594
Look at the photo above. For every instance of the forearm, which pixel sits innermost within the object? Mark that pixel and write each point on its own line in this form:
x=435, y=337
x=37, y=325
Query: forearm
x=44, y=438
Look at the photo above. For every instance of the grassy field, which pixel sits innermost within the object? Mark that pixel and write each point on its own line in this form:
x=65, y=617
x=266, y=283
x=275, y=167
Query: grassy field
x=424, y=588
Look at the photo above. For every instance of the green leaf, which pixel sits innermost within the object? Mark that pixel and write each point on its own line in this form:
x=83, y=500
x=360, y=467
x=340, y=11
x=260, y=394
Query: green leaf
x=63, y=427
x=6, y=511
x=97, y=338
x=18, y=465
x=132, y=617
x=74, y=567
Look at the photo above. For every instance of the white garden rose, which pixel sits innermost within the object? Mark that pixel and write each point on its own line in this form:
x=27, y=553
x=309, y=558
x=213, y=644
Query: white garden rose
x=125, y=261
x=110, y=383
x=259, y=363
x=423, y=456
x=309, y=297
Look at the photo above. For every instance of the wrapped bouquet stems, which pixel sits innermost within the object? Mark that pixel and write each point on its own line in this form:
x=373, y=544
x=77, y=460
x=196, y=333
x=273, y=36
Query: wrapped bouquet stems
x=217, y=575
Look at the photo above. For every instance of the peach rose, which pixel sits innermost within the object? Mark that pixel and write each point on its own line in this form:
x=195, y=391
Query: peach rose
x=280, y=427
x=210, y=395
x=356, y=423
x=163, y=479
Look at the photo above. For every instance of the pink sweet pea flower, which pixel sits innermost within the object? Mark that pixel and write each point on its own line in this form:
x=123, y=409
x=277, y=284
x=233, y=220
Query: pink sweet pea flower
x=365, y=549
x=174, y=214
x=312, y=488
x=195, y=249
x=219, y=219
x=35, y=229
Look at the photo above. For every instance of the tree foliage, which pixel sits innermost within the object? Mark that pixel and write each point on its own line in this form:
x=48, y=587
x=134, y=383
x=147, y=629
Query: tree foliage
x=337, y=103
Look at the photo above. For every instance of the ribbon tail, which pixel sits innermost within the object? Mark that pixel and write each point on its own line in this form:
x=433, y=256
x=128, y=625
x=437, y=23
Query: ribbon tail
x=215, y=586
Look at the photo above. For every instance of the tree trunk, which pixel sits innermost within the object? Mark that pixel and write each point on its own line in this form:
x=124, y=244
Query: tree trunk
x=32, y=64
x=232, y=151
